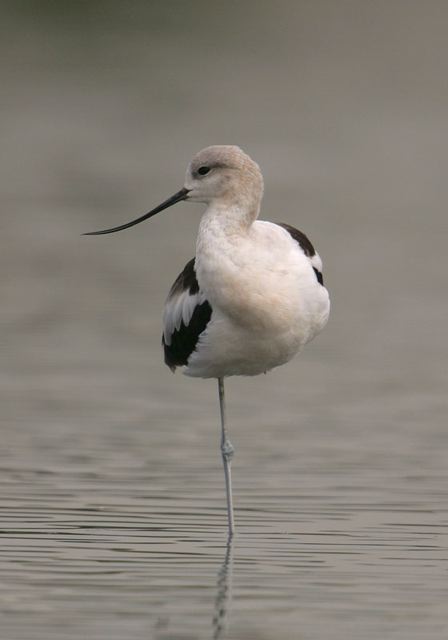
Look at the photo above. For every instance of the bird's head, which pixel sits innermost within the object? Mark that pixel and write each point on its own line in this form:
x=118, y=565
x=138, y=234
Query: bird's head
x=217, y=175
x=224, y=174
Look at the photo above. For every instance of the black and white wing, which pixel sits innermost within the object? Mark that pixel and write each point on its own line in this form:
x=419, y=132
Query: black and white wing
x=307, y=249
x=185, y=317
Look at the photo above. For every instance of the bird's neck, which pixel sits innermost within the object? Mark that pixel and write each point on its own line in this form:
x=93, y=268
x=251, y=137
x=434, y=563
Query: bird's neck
x=221, y=245
x=228, y=219
x=220, y=253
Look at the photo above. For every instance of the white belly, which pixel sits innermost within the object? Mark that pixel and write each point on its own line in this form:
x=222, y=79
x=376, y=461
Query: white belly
x=266, y=303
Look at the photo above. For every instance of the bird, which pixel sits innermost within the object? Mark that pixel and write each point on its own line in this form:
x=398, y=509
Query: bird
x=254, y=293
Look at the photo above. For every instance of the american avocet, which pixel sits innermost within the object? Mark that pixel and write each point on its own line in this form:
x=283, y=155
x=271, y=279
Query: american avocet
x=252, y=297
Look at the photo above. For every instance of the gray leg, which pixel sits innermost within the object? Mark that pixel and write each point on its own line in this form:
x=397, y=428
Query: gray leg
x=227, y=451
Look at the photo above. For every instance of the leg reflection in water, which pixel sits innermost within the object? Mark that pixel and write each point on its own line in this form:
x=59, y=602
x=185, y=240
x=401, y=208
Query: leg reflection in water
x=223, y=599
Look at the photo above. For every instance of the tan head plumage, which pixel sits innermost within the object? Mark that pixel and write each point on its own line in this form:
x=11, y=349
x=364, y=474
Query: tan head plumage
x=224, y=173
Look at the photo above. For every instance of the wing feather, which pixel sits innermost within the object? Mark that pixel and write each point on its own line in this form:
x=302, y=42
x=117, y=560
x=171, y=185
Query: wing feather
x=305, y=244
x=186, y=315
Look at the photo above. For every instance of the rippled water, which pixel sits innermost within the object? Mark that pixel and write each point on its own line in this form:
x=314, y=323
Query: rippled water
x=112, y=493
x=113, y=535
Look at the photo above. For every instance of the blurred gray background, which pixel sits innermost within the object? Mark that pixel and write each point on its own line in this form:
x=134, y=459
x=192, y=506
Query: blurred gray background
x=109, y=464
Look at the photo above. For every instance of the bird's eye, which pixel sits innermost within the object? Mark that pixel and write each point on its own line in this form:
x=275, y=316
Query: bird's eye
x=203, y=170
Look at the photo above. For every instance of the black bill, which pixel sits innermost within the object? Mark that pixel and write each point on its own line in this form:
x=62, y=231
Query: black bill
x=180, y=195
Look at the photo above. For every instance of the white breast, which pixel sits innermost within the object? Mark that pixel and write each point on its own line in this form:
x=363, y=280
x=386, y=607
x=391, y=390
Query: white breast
x=265, y=298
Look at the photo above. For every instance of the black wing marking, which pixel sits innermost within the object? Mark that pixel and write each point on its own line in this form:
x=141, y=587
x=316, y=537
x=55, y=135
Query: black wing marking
x=300, y=238
x=319, y=276
x=307, y=248
x=186, y=315
x=185, y=281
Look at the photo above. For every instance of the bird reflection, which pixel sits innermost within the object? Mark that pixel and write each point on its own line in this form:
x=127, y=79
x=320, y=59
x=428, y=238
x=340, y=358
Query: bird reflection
x=223, y=599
